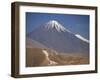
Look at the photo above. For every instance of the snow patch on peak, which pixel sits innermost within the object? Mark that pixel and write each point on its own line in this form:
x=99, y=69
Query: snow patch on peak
x=82, y=38
x=53, y=24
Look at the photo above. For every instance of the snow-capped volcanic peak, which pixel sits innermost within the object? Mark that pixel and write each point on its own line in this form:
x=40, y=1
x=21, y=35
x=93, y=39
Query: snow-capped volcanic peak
x=53, y=24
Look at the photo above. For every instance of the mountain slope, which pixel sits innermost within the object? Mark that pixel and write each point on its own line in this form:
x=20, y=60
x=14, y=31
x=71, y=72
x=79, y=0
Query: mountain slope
x=34, y=44
x=55, y=36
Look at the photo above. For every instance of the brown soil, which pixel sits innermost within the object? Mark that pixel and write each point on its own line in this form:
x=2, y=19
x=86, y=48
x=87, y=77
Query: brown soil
x=36, y=57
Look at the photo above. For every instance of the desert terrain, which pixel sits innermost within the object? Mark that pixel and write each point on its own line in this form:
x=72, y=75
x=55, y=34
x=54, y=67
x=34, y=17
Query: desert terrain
x=45, y=57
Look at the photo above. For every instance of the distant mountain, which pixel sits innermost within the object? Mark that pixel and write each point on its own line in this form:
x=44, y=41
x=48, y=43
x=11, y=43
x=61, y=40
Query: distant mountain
x=53, y=35
x=82, y=38
x=34, y=44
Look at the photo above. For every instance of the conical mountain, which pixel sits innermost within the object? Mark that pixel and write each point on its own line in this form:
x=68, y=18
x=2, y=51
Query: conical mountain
x=55, y=36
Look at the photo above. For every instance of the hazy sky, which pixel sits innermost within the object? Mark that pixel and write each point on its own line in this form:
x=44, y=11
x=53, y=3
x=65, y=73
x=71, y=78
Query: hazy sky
x=78, y=24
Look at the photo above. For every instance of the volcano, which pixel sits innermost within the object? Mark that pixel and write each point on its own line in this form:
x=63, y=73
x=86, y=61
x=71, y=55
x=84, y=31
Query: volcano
x=55, y=36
